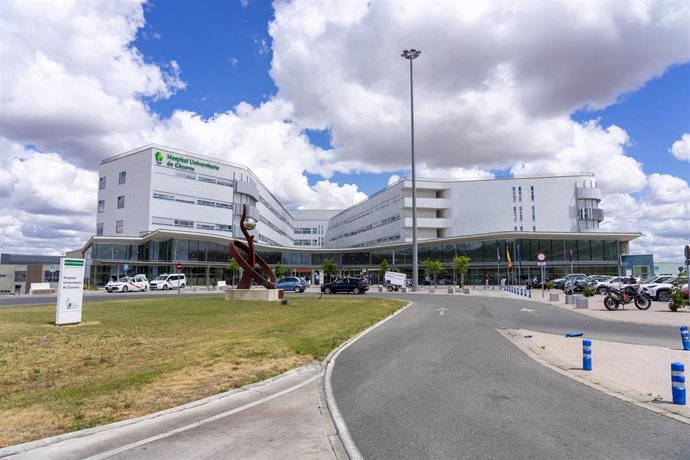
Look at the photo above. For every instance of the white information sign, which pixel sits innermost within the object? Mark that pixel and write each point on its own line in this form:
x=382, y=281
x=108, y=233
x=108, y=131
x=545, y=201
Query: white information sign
x=70, y=291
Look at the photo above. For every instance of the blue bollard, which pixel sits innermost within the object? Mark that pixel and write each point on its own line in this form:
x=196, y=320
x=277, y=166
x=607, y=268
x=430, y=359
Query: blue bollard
x=586, y=355
x=530, y=293
x=685, y=337
x=678, y=383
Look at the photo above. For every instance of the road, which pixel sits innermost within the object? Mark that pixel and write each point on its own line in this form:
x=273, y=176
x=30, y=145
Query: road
x=439, y=381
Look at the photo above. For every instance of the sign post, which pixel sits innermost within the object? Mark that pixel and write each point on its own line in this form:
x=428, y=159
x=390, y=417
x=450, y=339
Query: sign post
x=178, y=267
x=687, y=262
x=541, y=262
x=70, y=292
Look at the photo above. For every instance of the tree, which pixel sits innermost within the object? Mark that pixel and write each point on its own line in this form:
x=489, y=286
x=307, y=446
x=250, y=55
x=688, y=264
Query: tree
x=329, y=268
x=383, y=268
x=279, y=270
x=461, y=264
x=433, y=268
x=234, y=267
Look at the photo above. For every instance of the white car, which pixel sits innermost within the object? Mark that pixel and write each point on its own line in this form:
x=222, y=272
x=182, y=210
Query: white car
x=136, y=283
x=660, y=291
x=169, y=281
x=618, y=282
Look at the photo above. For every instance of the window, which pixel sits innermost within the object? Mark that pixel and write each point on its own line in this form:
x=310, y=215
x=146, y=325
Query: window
x=513, y=194
x=520, y=213
x=101, y=183
x=534, y=214
x=101, y=205
x=120, y=202
x=531, y=192
x=99, y=229
x=119, y=226
x=519, y=193
x=514, y=214
x=122, y=177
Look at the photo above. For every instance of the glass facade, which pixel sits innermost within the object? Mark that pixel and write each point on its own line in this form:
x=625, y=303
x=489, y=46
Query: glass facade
x=206, y=262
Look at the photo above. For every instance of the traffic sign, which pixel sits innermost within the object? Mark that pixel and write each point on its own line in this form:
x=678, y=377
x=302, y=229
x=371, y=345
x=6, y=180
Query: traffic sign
x=541, y=257
x=126, y=267
x=178, y=266
x=340, y=266
x=541, y=264
x=52, y=269
x=687, y=251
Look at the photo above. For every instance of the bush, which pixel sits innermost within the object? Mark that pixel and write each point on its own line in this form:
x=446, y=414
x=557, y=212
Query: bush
x=677, y=300
x=549, y=285
x=588, y=291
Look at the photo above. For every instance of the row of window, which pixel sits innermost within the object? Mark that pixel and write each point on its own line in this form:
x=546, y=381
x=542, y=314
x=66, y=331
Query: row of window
x=480, y=252
x=519, y=193
x=121, y=179
x=515, y=214
x=270, y=224
x=180, y=198
x=184, y=223
x=120, y=203
x=165, y=171
x=377, y=241
x=366, y=212
x=119, y=227
x=306, y=231
x=366, y=228
x=275, y=212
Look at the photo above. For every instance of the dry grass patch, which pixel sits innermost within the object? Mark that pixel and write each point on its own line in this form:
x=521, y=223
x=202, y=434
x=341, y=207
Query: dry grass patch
x=133, y=357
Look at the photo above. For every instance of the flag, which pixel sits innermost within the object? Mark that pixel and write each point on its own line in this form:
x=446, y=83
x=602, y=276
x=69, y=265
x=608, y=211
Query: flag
x=508, y=261
x=498, y=254
x=519, y=256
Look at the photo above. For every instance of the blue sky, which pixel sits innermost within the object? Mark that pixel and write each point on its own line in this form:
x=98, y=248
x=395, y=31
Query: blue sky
x=320, y=89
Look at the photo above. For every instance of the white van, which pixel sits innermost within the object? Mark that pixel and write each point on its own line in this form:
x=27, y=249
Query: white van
x=167, y=281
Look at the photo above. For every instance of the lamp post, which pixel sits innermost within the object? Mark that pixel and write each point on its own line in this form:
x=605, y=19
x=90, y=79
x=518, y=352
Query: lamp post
x=411, y=54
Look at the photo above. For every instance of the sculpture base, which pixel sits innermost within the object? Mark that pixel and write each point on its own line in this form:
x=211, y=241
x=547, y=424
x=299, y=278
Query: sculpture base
x=263, y=295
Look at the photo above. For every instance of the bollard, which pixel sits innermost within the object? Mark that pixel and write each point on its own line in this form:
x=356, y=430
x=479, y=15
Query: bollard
x=685, y=337
x=678, y=383
x=530, y=293
x=586, y=355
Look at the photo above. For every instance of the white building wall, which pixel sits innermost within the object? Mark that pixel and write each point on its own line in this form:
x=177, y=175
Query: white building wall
x=136, y=190
x=173, y=190
x=377, y=220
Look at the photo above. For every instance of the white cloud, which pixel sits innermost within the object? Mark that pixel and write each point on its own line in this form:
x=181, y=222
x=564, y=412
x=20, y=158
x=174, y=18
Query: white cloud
x=681, y=148
x=498, y=85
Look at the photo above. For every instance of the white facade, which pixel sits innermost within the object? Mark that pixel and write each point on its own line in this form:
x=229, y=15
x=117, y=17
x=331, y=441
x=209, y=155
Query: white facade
x=158, y=188
x=564, y=203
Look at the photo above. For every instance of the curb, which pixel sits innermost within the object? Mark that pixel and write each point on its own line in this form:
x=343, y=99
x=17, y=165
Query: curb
x=617, y=390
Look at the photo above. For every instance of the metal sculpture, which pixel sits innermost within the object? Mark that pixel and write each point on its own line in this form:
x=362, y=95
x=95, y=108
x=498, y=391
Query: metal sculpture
x=249, y=273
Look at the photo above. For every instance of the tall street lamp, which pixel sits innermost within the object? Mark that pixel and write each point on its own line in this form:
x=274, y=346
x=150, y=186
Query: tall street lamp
x=411, y=54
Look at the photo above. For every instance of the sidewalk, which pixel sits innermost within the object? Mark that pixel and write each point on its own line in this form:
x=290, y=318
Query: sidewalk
x=639, y=374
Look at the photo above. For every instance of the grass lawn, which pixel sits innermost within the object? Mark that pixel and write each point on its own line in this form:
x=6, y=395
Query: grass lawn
x=132, y=357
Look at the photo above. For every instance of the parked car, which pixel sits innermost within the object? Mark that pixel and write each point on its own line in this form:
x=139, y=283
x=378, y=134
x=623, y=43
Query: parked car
x=660, y=291
x=136, y=283
x=617, y=282
x=657, y=279
x=168, y=281
x=292, y=283
x=561, y=282
x=354, y=285
x=591, y=280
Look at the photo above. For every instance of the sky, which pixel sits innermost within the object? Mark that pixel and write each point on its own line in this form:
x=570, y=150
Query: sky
x=314, y=97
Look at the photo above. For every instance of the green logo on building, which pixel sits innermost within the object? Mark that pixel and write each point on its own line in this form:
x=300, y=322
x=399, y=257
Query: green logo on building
x=159, y=157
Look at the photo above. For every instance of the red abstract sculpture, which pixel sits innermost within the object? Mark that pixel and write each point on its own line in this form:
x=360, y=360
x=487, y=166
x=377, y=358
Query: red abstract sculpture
x=249, y=272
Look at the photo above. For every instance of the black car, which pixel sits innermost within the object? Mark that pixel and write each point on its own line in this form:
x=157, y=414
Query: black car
x=354, y=285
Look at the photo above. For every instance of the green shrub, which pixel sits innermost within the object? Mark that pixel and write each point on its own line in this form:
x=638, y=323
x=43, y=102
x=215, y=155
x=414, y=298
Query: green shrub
x=588, y=291
x=677, y=301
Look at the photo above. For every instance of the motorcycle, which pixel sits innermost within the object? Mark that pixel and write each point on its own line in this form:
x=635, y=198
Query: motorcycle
x=615, y=297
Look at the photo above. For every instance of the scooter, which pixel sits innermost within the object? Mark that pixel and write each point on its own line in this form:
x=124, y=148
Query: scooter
x=614, y=298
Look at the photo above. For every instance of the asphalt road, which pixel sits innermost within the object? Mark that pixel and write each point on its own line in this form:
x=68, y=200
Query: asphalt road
x=438, y=381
